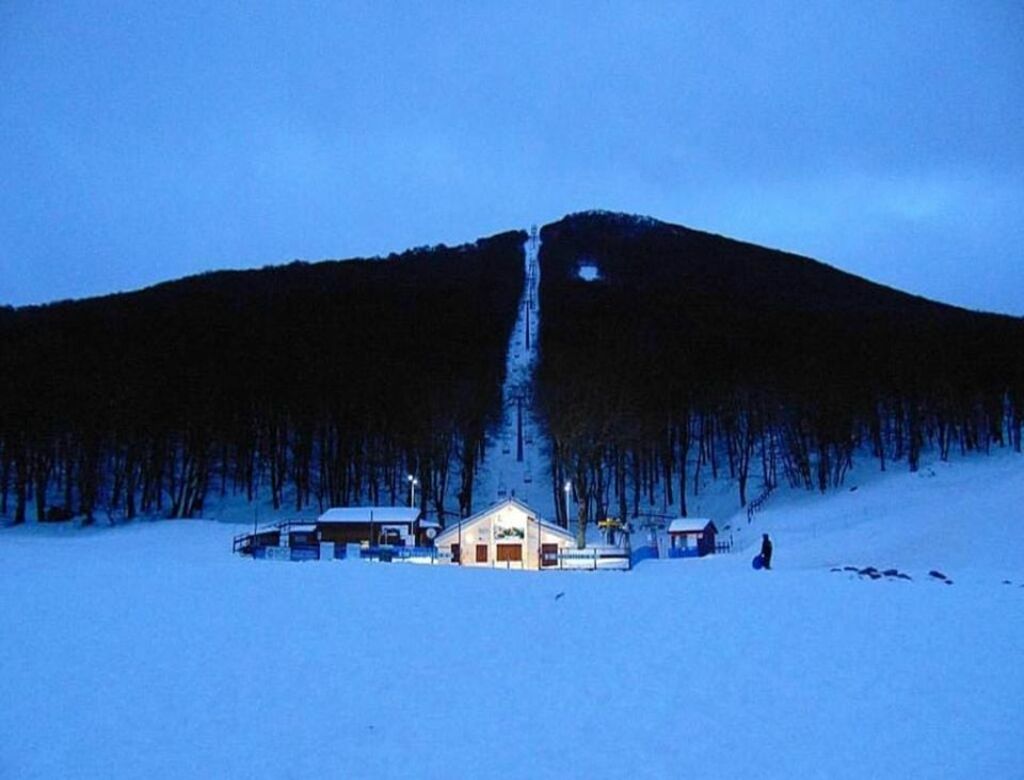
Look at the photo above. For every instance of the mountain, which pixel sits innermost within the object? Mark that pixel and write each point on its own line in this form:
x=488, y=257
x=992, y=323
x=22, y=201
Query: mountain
x=676, y=357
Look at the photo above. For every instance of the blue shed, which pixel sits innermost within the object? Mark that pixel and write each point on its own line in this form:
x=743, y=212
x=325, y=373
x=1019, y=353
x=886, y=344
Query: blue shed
x=691, y=537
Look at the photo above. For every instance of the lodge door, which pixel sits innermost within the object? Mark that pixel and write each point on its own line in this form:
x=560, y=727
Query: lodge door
x=549, y=555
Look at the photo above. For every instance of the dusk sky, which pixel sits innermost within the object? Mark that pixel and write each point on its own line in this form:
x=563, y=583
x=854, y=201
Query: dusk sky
x=141, y=142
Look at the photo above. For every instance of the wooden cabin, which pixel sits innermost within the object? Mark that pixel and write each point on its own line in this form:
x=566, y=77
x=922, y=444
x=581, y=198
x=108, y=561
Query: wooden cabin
x=691, y=537
x=508, y=534
x=383, y=527
x=372, y=525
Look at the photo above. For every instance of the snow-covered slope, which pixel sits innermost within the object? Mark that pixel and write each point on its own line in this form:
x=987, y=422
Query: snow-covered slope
x=149, y=651
x=965, y=516
x=508, y=470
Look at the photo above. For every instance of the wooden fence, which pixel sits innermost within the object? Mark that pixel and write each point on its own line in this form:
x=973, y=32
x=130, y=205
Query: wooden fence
x=755, y=506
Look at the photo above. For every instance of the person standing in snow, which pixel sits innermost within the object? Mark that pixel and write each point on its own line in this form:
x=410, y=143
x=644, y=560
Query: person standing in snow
x=766, y=551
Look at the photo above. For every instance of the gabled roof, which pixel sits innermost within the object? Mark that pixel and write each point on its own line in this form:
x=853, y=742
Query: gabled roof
x=453, y=529
x=510, y=500
x=362, y=515
x=690, y=525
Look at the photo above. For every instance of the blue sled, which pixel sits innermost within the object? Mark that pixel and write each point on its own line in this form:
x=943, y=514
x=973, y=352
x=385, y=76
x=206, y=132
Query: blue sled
x=758, y=562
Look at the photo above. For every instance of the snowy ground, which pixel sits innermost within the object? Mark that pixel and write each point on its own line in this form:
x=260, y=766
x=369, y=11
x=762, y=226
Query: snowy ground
x=148, y=650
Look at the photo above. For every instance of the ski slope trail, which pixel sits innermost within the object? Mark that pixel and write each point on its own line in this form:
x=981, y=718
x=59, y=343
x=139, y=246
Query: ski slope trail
x=516, y=461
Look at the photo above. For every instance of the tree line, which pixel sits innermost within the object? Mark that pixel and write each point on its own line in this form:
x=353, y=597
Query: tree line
x=314, y=384
x=694, y=355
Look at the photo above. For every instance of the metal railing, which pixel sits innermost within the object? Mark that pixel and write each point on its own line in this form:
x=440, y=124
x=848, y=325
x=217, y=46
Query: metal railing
x=241, y=542
x=387, y=553
x=246, y=542
x=249, y=544
x=594, y=558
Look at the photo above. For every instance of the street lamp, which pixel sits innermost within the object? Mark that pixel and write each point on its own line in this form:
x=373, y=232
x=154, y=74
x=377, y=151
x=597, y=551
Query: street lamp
x=413, y=482
x=568, y=490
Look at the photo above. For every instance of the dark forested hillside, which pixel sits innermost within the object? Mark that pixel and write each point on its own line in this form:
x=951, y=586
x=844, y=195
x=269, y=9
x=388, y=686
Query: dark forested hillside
x=321, y=383
x=692, y=351
x=690, y=356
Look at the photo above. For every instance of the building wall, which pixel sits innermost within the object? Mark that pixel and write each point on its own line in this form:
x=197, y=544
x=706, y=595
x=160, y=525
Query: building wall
x=695, y=543
x=353, y=533
x=507, y=524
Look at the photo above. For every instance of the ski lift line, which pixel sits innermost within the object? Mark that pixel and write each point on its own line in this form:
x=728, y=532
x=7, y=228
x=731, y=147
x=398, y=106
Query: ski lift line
x=518, y=420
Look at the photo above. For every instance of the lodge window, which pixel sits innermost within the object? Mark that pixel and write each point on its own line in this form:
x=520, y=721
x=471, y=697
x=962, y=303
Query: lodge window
x=510, y=552
x=481, y=553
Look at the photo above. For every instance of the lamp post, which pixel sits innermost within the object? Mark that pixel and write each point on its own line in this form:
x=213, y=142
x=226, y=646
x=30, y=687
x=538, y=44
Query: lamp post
x=568, y=489
x=413, y=482
x=540, y=549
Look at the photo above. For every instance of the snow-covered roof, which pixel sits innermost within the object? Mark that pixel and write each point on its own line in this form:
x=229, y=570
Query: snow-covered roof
x=511, y=501
x=689, y=525
x=367, y=514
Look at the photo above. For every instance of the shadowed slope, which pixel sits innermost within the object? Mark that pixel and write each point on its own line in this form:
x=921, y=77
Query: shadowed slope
x=328, y=381
x=690, y=338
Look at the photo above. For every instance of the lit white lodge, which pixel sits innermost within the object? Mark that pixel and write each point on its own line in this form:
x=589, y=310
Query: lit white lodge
x=506, y=535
